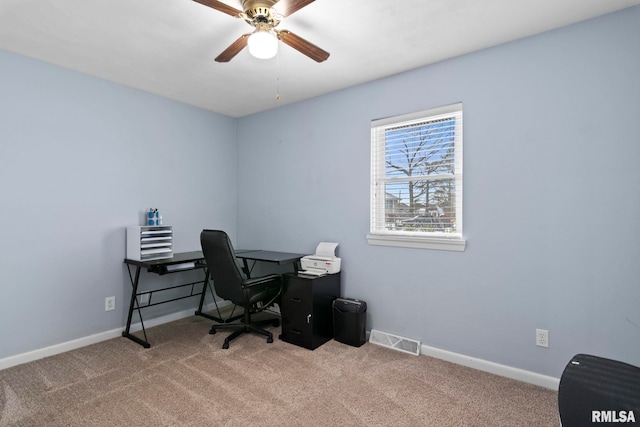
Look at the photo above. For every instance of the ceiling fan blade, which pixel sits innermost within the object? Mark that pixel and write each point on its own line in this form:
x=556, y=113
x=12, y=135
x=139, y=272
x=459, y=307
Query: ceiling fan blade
x=219, y=6
x=303, y=46
x=235, y=47
x=288, y=7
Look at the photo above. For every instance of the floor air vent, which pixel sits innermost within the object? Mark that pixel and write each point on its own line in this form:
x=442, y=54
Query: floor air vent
x=395, y=342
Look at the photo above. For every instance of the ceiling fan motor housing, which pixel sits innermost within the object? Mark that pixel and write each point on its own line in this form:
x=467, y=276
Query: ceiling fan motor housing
x=264, y=17
x=258, y=8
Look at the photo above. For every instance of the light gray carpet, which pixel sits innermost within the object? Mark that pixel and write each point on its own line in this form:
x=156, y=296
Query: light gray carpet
x=186, y=379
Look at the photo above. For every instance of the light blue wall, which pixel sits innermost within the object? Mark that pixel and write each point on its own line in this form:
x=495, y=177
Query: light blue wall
x=551, y=203
x=80, y=157
x=550, y=207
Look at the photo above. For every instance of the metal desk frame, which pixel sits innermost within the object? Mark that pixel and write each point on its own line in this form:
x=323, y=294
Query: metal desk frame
x=162, y=267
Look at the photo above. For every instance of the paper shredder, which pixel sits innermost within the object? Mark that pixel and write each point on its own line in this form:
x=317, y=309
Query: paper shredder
x=349, y=321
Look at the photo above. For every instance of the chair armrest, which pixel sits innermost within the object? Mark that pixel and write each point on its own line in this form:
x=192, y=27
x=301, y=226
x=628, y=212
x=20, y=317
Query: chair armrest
x=249, y=283
x=261, y=284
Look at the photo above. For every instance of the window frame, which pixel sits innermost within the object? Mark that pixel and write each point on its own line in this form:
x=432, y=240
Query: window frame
x=412, y=239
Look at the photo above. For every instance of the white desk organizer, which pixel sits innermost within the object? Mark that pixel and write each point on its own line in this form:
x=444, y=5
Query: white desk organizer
x=147, y=242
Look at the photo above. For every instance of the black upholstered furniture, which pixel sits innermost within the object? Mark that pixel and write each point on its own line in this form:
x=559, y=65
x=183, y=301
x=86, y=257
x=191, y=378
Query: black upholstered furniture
x=253, y=295
x=598, y=391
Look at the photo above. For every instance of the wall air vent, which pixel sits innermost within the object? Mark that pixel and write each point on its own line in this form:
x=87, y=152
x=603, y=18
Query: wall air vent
x=395, y=342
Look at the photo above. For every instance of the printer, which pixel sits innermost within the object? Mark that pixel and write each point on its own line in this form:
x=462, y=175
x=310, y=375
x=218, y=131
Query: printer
x=324, y=261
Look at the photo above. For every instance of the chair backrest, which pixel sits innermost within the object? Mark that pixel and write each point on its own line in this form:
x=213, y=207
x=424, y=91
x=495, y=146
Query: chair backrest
x=221, y=262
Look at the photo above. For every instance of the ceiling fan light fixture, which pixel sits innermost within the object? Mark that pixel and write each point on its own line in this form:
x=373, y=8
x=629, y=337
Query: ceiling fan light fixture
x=263, y=44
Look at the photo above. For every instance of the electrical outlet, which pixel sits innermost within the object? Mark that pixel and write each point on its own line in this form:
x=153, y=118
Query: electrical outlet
x=542, y=338
x=109, y=303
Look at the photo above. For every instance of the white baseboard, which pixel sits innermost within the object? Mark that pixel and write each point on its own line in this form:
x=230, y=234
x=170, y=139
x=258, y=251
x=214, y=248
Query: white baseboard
x=493, y=368
x=41, y=353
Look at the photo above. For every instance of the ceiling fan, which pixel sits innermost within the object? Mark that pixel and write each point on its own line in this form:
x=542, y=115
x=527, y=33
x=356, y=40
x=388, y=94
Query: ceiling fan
x=263, y=41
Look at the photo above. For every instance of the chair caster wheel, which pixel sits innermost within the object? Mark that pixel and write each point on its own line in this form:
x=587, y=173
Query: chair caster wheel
x=276, y=323
x=212, y=331
x=225, y=345
x=270, y=339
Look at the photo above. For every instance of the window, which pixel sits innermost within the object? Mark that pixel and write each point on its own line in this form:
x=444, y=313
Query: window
x=416, y=180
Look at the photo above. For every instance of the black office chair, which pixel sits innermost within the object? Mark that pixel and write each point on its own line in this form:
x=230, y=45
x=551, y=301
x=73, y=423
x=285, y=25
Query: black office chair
x=253, y=295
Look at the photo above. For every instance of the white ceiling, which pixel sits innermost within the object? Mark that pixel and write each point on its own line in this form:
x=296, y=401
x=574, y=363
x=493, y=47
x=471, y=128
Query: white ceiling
x=167, y=47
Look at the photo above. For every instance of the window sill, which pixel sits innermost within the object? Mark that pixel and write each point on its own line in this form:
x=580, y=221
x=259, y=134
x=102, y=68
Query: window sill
x=418, y=242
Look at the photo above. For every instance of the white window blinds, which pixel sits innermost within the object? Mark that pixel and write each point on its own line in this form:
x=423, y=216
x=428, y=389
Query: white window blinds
x=416, y=174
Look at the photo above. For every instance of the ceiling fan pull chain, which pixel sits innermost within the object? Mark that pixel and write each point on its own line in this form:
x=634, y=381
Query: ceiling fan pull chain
x=278, y=78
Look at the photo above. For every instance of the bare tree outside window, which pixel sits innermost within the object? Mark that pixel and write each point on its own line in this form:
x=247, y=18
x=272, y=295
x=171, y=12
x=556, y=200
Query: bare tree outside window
x=422, y=154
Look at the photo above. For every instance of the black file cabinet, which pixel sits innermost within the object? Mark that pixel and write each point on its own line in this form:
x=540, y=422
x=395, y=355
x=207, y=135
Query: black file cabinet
x=306, y=309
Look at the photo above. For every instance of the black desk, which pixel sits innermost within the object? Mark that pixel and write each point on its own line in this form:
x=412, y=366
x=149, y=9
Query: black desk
x=188, y=261
x=185, y=261
x=273, y=257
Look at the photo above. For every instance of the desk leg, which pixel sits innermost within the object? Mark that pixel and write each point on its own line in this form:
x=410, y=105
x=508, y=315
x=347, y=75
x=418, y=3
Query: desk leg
x=246, y=270
x=134, y=304
x=199, y=312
